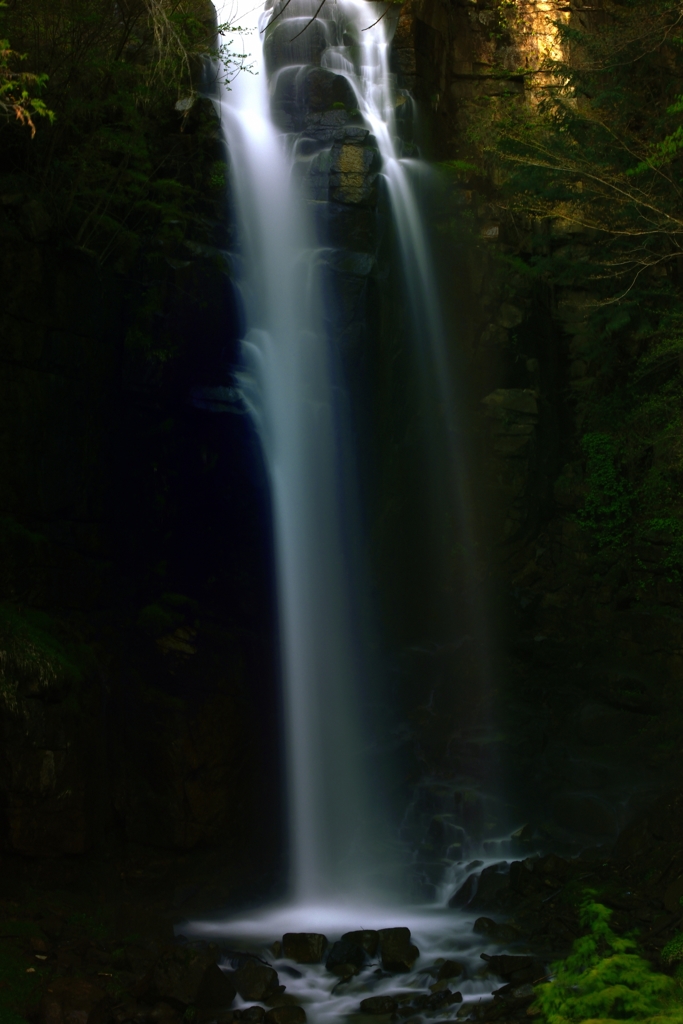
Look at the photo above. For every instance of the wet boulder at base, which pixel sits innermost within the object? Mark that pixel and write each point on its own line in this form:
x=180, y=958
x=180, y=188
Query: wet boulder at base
x=252, y=1014
x=254, y=980
x=216, y=989
x=345, y=958
x=378, y=1004
x=304, y=947
x=367, y=939
x=494, y=931
x=449, y=969
x=179, y=973
x=396, y=950
x=286, y=1015
x=69, y=1001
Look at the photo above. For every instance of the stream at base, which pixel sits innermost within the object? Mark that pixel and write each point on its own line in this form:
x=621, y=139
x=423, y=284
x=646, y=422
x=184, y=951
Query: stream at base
x=440, y=934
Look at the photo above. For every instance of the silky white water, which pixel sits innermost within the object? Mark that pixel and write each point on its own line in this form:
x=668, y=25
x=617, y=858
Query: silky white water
x=294, y=389
x=291, y=383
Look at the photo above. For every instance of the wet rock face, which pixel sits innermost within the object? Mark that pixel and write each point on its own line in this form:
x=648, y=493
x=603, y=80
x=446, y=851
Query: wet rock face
x=304, y=947
x=181, y=974
x=345, y=958
x=353, y=169
x=216, y=989
x=70, y=1001
x=286, y=1015
x=255, y=981
x=378, y=1004
x=396, y=950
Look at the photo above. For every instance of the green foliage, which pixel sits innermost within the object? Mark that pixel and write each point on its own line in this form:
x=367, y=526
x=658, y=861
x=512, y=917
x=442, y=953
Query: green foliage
x=167, y=614
x=673, y=951
x=36, y=652
x=19, y=90
x=604, y=978
x=591, y=174
x=118, y=171
x=606, y=511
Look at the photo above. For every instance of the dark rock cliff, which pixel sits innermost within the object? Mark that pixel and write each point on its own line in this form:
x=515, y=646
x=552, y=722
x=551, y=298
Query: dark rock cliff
x=130, y=484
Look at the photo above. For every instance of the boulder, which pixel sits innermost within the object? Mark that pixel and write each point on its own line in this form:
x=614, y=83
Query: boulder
x=368, y=940
x=378, y=1004
x=179, y=973
x=254, y=980
x=462, y=896
x=345, y=958
x=304, y=947
x=286, y=1015
x=442, y=998
x=449, y=969
x=504, y=964
x=353, y=169
x=323, y=90
x=164, y=1013
x=69, y=1001
x=253, y=1014
x=397, y=952
x=493, y=931
x=216, y=989
x=492, y=881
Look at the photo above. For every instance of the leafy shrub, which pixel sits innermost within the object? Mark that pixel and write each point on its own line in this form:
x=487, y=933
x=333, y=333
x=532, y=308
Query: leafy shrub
x=33, y=650
x=604, y=979
x=167, y=614
x=673, y=951
x=607, y=507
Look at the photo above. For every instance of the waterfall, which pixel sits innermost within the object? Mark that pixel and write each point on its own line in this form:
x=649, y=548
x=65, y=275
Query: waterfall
x=293, y=385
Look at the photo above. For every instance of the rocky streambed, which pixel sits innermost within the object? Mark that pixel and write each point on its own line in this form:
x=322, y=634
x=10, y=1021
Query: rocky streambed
x=479, y=957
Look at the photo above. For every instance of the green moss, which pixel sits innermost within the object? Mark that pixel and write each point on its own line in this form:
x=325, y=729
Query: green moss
x=606, y=511
x=37, y=651
x=166, y=614
x=605, y=979
x=673, y=951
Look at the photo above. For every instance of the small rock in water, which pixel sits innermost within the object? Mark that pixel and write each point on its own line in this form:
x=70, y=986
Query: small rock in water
x=286, y=1015
x=255, y=981
x=504, y=964
x=449, y=969
x=253, y=1014
x=276, y=949
x=378, y=1004
x=444, y=998
x=368, y=940
x=398, y=953
x=304, y=947
x=345, y=958
x=462, y=896
x=69, y=999
x=216, y=988
x=500, y=933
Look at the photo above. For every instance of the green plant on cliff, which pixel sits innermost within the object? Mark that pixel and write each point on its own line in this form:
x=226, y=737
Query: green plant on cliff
x=19, y=99
x=673, y=951
x=588, y=168
x=606, y=510
x=34, y=653
x=120, y=174
x=605, y=979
